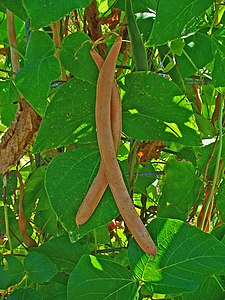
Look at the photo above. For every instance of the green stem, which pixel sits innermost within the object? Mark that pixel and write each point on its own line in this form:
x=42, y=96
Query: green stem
x=190, y=60
x=7, y=231
x=218, y=158
x=139, y=52
x=132, y=164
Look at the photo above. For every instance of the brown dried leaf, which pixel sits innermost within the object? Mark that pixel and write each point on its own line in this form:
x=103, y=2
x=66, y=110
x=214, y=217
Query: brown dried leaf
x=19, y=137
x=150, y=149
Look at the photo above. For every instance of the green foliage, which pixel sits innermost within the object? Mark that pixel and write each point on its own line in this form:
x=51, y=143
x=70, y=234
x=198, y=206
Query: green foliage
x=170, y=74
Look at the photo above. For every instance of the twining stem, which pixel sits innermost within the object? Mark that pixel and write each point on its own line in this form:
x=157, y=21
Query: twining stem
x=7, y=231
x=218, y=159
x=12, y=41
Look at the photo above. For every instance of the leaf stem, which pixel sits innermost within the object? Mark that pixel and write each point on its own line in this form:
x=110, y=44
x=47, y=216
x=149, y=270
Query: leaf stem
x=218, y=159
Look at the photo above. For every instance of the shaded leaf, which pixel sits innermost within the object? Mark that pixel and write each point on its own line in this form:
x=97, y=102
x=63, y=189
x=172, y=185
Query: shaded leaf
x=11, y=272
x=39, y=267
x=69, y=117
x=186, y=258
x=180, y=16
x=68, y=178
x=180, y=190
x=138, y=6
x=8, y=102
x=25, y=294
x=34, y=79
x=40, y=46
x=44, y=12
x=199, y=50
x=99, y=278
x=16, y=6
x=150, y=111
x=75, y=57
x=53, y=291
x=210, y=289
x=64, y=254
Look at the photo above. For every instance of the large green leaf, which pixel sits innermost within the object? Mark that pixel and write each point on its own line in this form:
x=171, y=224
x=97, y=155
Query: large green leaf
x=99, y=278
x=44, y=12
x=11, y=272
x=16, y=6
x=138, y=6
x=219, y=55
x=75, y=57
x=64, y=254
x=67, y=181
x=69, y=117
x=180, y=180
x=175, y=18
x=198, y=53
x=210, y=289
x=150, y=112
x=25, y=294
x=39, y=267
x=40, y=45
x=186, y=258
x=34, y=79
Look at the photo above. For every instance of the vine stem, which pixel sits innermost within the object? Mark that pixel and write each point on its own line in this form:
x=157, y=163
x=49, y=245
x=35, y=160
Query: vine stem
x=6, y=212
x=218, y=159
x=12, y=41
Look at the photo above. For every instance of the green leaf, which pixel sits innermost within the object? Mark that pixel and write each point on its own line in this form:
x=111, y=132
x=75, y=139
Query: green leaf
x=26, y=293
x=53, y=291
x=177, y=46
x=68, y=178
x=175, y=18
x=75, y=57
x=64, y=254
x=219, y=54
x=44, y=12
x=34, y=190
x=186, y=258
x=69, y=117
x=40, y=46
x=198, y=53
x=205, y=126
x=99, y=278
x=16, y=6
x=8, y=102
x=34, y=79
x=138, y=6
x=180, y=180
x=39, y=267
x=11, y=272
x=210, y=289
x=150, y=111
